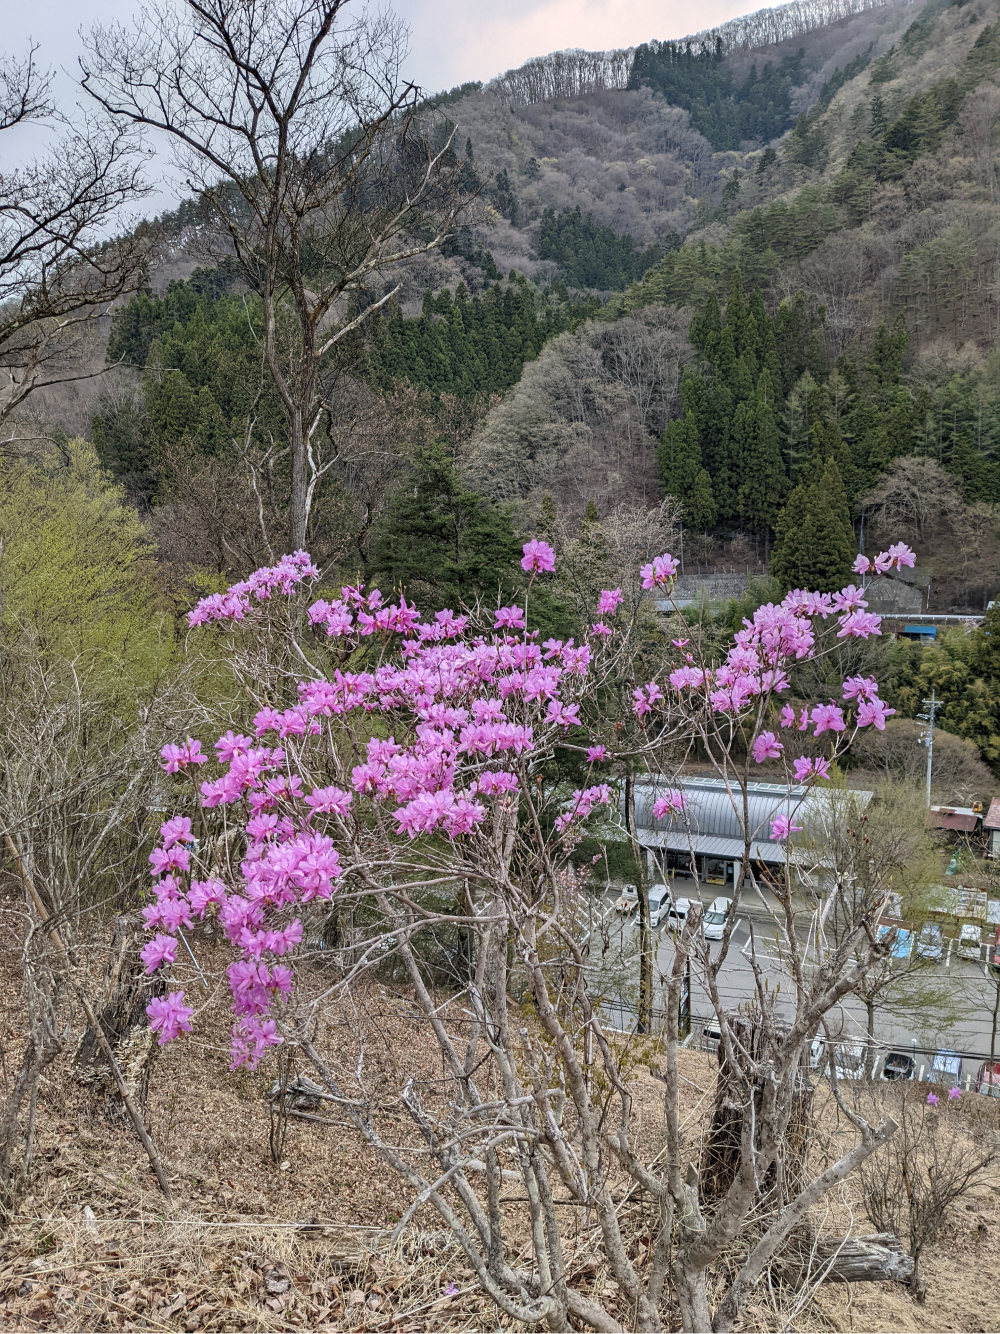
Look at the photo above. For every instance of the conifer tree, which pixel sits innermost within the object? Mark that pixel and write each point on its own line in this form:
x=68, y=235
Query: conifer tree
x=683, y=475
x=815, y=544
x=443, y=543
x=736, y=311
x=762, y=481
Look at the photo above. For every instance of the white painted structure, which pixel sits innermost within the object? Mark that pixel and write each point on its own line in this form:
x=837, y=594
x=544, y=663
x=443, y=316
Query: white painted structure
x=713, y=827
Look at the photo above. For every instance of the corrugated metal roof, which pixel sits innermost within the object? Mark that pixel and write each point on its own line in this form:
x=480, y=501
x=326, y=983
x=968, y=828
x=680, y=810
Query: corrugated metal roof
x=717, y=813
x=992, y=820
x=729, y=848
x=961, y=818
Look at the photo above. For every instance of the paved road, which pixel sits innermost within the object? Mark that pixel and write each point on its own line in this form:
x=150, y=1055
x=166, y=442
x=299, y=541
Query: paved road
x=974, y=987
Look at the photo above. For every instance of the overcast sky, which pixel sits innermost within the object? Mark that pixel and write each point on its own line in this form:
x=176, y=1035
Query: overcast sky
x=452, y=41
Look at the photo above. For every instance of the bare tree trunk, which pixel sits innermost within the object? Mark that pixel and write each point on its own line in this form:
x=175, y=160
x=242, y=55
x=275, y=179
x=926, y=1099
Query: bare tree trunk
x=870, y=1046
x=297, y=516
x=40, y=1050
x=53, y=932
x=121, y=1015
x=645, y=1018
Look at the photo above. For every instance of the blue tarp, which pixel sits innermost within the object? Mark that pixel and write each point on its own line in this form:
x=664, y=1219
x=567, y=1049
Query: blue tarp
x=929, y=630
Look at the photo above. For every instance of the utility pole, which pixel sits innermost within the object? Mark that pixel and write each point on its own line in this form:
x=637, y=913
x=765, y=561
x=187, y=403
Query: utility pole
x=928, y=740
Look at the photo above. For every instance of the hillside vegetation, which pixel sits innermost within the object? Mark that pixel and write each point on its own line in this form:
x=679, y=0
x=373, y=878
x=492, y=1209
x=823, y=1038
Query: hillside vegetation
x=752, y=271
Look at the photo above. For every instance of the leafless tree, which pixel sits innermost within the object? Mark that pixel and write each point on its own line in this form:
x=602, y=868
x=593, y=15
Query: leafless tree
x=913, y=498
x=937, y=1155
x=79, y=779
x=306, y=148
x=899, y=753
x=582, y=422
x=59, y=271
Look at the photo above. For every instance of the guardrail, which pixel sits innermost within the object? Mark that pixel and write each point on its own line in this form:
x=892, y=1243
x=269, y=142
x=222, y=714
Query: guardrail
x=704, y=1036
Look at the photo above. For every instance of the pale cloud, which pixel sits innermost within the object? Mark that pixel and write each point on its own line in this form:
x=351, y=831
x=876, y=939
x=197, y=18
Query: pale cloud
x=452, y=40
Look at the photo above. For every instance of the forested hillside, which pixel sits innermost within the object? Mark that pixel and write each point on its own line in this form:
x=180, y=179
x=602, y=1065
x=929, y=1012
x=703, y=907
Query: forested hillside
x=751, y=273
x=457, y=512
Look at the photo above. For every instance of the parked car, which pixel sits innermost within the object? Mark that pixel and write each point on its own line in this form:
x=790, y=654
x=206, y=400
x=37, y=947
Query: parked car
x=660, y=899
x=945, y=1067
x=970, y=941
x=930, y=943
x=711, y=1033
x=903, y=942
x=627, y=899
x=714, y=922
x=899, y=1065
x=677, y=912
x=849, y=1058
x=987, y=1081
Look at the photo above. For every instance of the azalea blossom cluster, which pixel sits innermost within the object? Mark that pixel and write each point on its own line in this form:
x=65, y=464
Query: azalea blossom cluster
x=762, y=653
x=436, y=735
x=469, y=711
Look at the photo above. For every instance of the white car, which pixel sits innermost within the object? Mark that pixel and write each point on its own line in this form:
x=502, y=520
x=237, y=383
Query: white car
x=970, y=942
x=716, y=916
x=850, y=1060
x=660, y=900
x=677, y=912
x=627, y=899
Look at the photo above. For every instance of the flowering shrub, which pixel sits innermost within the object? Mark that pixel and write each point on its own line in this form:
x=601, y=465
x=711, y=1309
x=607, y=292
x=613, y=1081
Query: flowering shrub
x=436, y=737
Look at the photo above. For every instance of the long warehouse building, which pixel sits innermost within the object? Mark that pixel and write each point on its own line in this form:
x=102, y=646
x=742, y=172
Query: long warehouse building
x=711, y=829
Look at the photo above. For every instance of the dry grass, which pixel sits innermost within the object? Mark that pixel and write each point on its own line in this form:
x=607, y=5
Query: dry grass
x=304, y=1244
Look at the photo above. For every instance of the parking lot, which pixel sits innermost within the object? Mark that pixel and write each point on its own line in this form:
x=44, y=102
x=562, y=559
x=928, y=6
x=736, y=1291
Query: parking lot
x=970, y=1036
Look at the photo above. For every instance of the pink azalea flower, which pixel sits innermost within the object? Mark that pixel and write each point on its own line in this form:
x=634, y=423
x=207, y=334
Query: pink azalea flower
x=169, y=1016
x=597, y=755
x=873, y=711
x=600, y=629
x=860, y=687
x=159, y=950
x=680, y=643
x=671, y=803
x=508, y=618
x=782, y=828
x=609, y=601
x=849, y=599
x=901, y=555
x=859, y=625
x=828, y=718
x=177, y=830
x=932, y=1100
x=861, y=565
x=766, y=747
x=330, y=800
x=538, y=556
x=954, y=1093
x=179, y=757
x=659, y=572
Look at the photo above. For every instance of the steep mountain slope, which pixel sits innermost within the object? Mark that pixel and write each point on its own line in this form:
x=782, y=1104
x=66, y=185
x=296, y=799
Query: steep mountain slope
x=644, y=158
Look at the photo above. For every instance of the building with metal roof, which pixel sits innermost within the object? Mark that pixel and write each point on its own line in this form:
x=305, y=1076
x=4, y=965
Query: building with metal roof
x=717, y=817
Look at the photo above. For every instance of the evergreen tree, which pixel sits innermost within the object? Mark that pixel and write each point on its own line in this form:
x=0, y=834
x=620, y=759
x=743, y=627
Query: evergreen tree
x=444, y=544
x=815, y=544
x=762, y=481
x=683, y=475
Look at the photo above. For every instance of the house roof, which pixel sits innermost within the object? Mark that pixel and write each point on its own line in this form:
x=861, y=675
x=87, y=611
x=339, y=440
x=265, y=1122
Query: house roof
x=991, y=820
x=963, y=818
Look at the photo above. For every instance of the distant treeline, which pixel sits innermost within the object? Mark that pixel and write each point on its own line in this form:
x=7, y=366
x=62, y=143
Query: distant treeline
x=204, y=383
x=574, y=73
